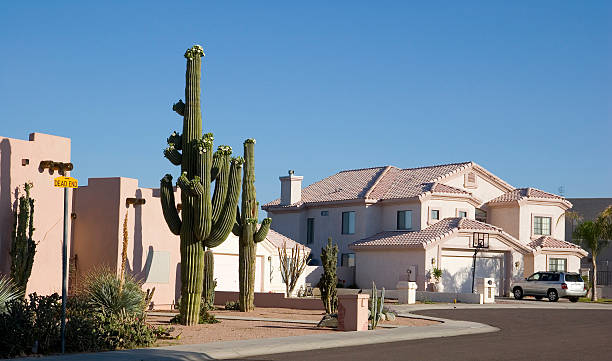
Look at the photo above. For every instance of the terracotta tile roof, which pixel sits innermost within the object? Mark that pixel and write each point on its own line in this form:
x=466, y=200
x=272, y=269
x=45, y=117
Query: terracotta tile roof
x=550, y=242
x=524, y=193
x=439, y=230
x=280, y=240
x=378, y=183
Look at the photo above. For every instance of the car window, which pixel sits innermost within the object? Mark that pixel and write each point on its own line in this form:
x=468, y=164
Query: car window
x=545, y=277
x=554, y=277
x=573, y=278
x=534, y=277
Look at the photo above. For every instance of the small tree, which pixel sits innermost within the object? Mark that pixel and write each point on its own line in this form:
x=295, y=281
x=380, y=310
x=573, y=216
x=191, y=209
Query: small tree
x=595, y=236
x=292, y=266
x=23, y=246
x=329, y=279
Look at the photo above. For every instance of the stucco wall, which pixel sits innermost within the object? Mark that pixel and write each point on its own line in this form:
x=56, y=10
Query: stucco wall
x=389, y=214
x=448, y=208
x=530, y=209
x=485, y=190
x=508, y=218
x=46, y=274
x=386, y=268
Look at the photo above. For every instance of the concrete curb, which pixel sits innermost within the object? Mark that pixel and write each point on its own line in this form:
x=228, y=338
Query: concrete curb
x=256, y=347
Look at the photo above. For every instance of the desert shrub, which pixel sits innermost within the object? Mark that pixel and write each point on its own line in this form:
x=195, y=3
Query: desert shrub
x=104, y=330
x=30, y=326
x=8, y=292
x=205, y=316
x=232, y=305
x=103, y=290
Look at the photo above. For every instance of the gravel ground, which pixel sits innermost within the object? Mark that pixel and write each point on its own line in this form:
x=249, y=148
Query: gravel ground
x=229, y=330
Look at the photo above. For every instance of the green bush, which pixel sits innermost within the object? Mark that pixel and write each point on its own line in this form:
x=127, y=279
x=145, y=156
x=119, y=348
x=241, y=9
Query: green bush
x=232, y=305
x=98, y=331
x=30, y=326
x=8, y=292
x=102, y=289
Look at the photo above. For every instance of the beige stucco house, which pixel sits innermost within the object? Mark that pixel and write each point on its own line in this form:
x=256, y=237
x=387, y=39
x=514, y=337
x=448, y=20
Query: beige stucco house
x=396, y=224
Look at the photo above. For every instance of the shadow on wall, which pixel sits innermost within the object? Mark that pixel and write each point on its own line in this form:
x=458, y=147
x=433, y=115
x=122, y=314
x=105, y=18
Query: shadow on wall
x=6, y=207
x=138, y=270
x=461, y=280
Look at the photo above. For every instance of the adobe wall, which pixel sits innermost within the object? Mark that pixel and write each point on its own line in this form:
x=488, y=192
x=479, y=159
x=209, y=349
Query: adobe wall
x=19, y=163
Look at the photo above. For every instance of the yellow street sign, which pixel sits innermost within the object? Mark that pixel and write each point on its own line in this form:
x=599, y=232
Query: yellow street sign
x=65, y=182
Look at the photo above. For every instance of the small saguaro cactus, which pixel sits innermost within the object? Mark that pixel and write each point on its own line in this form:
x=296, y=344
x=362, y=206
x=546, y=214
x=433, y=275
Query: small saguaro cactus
x=23, y=247
x=247, y=231
x=209, y=282
x=376, y=306
x=205, y=221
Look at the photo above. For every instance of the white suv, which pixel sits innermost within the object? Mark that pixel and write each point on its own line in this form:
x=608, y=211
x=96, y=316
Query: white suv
x=552, y=285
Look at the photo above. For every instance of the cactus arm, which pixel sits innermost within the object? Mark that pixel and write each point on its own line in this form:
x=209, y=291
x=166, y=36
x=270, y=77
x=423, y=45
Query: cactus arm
x=224, y=225
x=179, y=107
x=262, y=232
x=237, y=229
x=169, y=206
x=173, y=155
x=221, y=183
x=217, y=165
x=192, y=187
x=203, y=205
x=176, y=140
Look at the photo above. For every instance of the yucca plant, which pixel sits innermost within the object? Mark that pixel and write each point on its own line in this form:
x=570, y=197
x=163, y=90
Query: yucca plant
x=8, y=292
x=102, y=288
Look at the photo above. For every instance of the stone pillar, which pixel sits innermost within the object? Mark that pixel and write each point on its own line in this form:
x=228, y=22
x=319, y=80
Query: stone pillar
x=353, y=312
x=407, y=292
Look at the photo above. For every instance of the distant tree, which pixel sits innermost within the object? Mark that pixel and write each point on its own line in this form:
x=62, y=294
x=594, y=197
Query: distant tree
x=595, y=236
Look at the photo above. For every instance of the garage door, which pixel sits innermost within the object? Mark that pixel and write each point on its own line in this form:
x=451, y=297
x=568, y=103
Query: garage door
x=226, y=272
x=457, y=272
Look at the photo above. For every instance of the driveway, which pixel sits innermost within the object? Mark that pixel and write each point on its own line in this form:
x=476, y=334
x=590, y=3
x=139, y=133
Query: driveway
x=525, y=334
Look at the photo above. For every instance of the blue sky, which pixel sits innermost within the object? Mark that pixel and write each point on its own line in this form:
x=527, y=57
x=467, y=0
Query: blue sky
x=523, y=88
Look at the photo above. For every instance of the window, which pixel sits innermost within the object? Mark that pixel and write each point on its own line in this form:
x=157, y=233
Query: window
x=310, y=230
x=435, y=214
x=557, y=264
x=348, y=222
x=347, y=260
x=481, y=215
x=534, y=277
x=324, y=213
x=541, y=226
x=404, y=220
x=462, y=214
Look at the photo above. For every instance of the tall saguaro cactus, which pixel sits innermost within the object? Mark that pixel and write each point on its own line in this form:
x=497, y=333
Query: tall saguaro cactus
x=23, y=246
x=205, y=221
x=247, y=231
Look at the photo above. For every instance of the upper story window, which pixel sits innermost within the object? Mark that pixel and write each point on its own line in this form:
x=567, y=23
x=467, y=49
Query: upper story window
x=541, y=226
x=435, y=214
x=348, y=222
x=324, y=213
x=462, y=214
x=347, y=260
x=404, y=220
x=310, y=230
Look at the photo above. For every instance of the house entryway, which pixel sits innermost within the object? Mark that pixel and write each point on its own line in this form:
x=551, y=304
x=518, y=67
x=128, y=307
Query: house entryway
x=457, y=270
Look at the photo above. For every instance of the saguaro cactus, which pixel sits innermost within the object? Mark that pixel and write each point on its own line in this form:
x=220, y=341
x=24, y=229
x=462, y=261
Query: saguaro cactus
x=247, y=231
x=209, y=282
x=205, y=221
x=23, y=246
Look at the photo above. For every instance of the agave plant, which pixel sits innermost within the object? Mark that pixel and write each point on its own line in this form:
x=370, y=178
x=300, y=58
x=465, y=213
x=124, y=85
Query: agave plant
x=8, y=292
x=102, y=288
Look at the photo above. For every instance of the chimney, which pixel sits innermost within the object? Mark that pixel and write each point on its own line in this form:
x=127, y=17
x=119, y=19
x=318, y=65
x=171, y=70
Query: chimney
x=291, y=189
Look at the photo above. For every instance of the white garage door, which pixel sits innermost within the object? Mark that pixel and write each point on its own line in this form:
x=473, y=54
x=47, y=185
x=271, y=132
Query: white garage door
x=226, y=272
x=457, y=272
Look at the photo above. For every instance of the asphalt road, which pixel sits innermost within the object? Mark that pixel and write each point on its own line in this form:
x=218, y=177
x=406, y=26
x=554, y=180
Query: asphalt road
x=526, y=334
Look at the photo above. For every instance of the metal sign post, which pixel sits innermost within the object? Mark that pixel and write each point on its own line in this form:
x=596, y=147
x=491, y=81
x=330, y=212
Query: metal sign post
x=65, y=182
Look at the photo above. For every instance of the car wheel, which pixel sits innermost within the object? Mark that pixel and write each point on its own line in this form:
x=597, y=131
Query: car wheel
x=538, y=297
x=553, y=296
x=573, y=299
x=518, y=293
